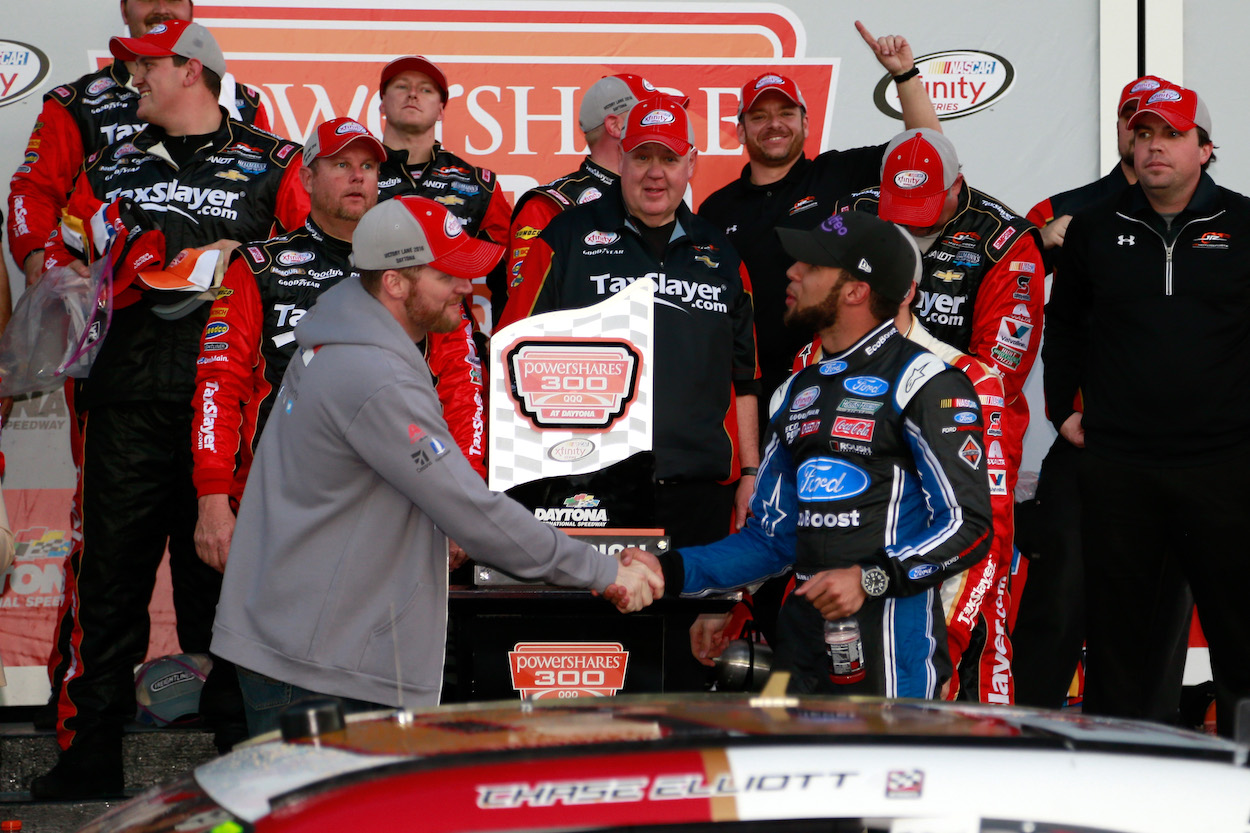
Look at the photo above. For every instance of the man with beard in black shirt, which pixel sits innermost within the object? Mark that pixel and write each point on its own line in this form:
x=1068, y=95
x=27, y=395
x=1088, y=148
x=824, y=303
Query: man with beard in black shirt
x=773, y=127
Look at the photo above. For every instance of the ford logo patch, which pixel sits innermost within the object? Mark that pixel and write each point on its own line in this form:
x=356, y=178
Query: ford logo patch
x=866, y=385
x=965, y=417
x=805, y=398
x=824, y=478
x=922, y=571
x=832, y=368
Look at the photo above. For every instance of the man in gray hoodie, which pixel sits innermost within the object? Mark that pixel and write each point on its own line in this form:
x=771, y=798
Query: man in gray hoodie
x=336, y=581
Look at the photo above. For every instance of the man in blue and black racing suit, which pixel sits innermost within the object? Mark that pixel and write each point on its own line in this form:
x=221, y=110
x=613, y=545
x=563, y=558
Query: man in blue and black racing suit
x=871, y=484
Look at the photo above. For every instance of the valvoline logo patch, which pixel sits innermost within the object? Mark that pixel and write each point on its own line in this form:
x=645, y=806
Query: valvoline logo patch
x=826, y=478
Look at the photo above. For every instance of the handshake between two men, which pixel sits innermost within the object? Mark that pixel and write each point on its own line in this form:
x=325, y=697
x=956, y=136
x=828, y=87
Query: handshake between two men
x=639, y=581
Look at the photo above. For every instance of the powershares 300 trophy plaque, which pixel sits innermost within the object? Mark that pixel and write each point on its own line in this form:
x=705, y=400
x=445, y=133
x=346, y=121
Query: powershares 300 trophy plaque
x=571, y=420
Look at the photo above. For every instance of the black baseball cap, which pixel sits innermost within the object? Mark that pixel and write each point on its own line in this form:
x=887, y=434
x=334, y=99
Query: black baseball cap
x=873, y=250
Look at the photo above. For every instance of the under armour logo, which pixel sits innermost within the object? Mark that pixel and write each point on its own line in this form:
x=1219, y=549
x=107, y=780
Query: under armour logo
x=1126, y=240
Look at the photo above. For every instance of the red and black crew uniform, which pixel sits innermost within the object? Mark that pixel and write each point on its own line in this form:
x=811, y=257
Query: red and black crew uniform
x=981, y=292
x=537, y=207
x=241, y=183
x=77, y=120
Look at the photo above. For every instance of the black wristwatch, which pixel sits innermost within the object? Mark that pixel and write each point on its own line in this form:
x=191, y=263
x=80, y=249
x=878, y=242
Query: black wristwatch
x=874, y=581
x=907, y=76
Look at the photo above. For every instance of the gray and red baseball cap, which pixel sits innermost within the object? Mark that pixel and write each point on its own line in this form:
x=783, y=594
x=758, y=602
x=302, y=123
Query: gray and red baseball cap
x=612, y=95
x=169, y=38
x=415, y=231
x=1177, y=106
x=918, y=168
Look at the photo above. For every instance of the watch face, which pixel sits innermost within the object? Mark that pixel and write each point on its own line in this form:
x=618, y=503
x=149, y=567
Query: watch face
x=875, y=581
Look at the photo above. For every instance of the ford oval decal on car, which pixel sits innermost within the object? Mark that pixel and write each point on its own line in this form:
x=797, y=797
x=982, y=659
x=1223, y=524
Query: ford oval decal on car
x=960, y=82
x=824, y=478
x=866, y=385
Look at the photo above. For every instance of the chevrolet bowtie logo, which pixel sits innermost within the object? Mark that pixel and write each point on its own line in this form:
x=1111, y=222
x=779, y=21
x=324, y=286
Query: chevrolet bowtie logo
x=1126, y=240
x=948, y=276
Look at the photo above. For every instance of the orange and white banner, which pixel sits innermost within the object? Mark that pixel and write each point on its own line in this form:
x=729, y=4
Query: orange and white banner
x=517, y=73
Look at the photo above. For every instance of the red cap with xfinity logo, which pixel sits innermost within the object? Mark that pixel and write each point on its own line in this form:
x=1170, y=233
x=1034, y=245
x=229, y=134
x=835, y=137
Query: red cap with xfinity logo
x=1177, y=106
x=414, y=231
x=918, y=168
x=761, y=84
x=169, y=38
x=662, y=119
x=415, y=63
x=332, y=136
x=1134, y=90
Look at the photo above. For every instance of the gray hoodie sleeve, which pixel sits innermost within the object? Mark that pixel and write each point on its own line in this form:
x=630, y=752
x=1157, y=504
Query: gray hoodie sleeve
x=400, y=433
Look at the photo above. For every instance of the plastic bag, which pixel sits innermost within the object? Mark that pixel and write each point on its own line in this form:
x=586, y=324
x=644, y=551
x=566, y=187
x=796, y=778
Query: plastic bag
x=57, y=329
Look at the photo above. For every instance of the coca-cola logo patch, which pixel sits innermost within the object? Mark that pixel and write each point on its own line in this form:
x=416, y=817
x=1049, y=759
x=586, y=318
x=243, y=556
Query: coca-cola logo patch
x=849, y=428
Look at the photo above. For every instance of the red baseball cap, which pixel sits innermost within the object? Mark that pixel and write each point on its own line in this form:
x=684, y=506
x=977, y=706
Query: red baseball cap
x=761, y=84
x=1177, y=106
x=415, y=231
x=1134, y=90
x=414, y=63
x=660, y=118
x=169, y=38
x=918, y=169
x=332, y=136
